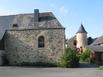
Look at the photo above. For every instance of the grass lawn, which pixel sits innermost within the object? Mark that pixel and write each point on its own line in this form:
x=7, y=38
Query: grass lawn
x=100, y=68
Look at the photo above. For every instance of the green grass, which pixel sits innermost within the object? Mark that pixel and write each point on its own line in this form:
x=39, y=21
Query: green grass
x=100, y=68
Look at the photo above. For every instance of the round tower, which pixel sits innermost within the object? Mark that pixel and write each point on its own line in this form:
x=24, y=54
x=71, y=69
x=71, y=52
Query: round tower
x=81, y=37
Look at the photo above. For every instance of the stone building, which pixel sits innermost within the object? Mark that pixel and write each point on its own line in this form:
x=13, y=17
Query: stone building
x=31, y=38
x=97, y=49
x=79, y=40
x=81, y=37
x=70, y=42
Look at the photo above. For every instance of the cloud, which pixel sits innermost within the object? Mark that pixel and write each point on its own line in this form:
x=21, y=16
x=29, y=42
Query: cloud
x=64, y=11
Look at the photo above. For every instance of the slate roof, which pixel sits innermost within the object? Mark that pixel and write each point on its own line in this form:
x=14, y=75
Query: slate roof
x=81, y=29
x=98, y=41
x=97, y=45
x=96, y=48
x=26, y=21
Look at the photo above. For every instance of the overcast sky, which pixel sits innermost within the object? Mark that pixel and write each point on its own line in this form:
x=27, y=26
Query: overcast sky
x=70, y=13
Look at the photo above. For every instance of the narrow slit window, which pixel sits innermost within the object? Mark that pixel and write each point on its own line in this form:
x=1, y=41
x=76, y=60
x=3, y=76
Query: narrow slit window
x=41, y=42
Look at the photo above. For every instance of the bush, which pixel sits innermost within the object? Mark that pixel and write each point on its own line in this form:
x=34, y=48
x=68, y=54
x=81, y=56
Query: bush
x=100, y=68
x=85, y=56
x=69, y=59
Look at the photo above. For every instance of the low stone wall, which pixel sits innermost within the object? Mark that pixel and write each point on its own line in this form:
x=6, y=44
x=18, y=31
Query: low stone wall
x=22, y=46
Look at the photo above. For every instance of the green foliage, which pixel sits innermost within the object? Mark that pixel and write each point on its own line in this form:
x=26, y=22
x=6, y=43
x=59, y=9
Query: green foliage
x=85, y=56
x=100, y=68
x=69, y=59
x=90, y=40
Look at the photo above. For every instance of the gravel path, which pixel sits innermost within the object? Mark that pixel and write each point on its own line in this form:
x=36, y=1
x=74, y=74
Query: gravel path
x=49, y=72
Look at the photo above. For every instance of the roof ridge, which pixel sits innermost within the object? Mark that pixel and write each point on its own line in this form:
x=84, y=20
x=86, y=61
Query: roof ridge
x=23, y=14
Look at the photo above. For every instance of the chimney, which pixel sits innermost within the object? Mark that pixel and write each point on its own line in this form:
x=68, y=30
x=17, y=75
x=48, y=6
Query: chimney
x=36, y=15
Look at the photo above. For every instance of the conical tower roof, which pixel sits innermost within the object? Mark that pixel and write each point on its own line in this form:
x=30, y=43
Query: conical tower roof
x=81, y=29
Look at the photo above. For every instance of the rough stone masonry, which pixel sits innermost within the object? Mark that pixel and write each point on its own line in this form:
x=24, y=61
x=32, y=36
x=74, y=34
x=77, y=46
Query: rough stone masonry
x=30, y=40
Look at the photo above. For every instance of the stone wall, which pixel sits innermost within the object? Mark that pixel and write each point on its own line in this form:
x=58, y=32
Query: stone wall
x=22, y=45
x=81, y=39
x=2, y=52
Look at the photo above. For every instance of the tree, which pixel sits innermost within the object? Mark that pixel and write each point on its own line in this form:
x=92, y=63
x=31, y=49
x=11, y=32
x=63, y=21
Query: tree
x=90, y=40
x=70, y=58
x=85, y=56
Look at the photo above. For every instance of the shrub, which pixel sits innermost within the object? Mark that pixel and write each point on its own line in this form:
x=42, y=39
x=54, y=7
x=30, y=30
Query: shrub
x=85, y=56
x=100, y=68
x=69, y=59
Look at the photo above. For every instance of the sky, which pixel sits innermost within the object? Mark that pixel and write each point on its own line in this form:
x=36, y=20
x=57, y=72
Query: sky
x=70, y=13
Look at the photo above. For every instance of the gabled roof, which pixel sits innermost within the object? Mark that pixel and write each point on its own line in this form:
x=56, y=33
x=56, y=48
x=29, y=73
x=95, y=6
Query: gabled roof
x=98, y=41
x=5, y=23
x=96, y=48
x=26, y=21
x=97, y=45
x=81, y=29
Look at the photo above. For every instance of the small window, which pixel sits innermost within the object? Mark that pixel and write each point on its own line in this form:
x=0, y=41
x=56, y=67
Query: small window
x=15, y=25
x=74, y=42
x=41, y=42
